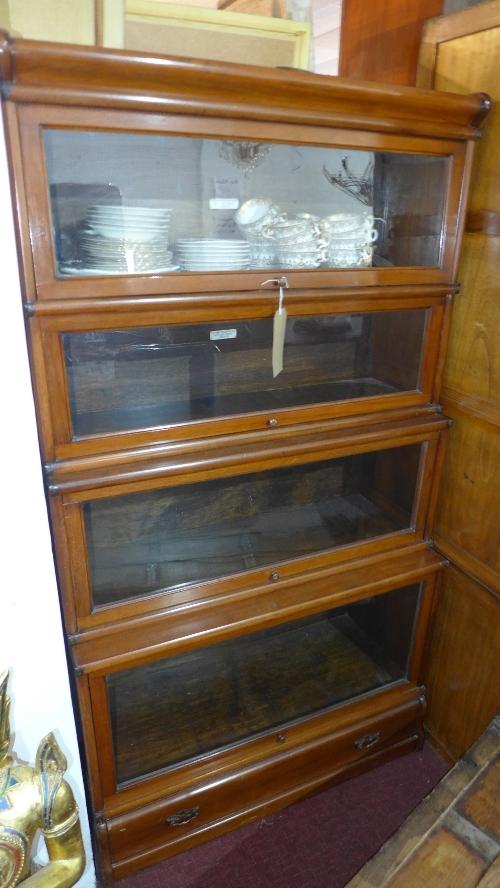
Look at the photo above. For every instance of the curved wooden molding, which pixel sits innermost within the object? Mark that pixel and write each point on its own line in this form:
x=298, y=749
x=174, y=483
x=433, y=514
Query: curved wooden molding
x=483, y=221
x=141, y=469
x=70, y=75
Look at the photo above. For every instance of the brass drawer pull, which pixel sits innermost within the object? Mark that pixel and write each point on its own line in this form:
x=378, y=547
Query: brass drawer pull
x=367, y=740
x=184, y=816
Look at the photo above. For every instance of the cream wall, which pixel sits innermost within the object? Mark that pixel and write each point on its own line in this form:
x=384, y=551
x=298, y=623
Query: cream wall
x=30, y=624
x=326, y=18
x=49, y=20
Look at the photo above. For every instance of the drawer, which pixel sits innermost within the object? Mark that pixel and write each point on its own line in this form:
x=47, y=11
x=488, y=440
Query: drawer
x=189, y=814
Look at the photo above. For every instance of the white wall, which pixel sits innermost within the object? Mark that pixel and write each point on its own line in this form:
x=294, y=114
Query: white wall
x=326, y=18
x=31, y=639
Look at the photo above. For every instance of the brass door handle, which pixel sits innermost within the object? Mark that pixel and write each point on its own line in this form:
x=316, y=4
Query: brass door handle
x=182, y=817
x=367, y=740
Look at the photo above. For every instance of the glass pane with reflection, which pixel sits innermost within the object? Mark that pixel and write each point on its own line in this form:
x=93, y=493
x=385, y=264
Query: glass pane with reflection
x=130, y=203
x=164, y=539
x=185, y=706
x=121, y=380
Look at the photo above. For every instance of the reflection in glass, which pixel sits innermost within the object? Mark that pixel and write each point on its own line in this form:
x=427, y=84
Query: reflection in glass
x=126, y=203
x=185, y=706
x=121, y=380
x=163, y=539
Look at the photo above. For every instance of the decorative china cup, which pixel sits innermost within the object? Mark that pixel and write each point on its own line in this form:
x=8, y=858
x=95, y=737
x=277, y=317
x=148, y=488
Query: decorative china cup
x=256, y=215
x=353, y=256
x=262, y=253
x=342, y=223
x=298, y=258
x=363, y=235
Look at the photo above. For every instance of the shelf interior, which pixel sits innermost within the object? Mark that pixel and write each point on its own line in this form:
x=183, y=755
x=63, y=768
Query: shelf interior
x=180, y=708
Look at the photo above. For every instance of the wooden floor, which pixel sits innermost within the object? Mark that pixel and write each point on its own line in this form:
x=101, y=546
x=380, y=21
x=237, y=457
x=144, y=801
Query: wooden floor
x=452, y=840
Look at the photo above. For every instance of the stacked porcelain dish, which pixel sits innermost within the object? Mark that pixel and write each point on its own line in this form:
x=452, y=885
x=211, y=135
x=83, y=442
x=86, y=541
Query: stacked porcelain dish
x=126, y=240
x=349, y=239
x=299, y=241
x=255, y=219
x=279, y=239
x=210, y=254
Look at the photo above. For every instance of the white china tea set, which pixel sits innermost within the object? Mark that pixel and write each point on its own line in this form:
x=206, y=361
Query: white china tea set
x=303, y=240
x=135, y=240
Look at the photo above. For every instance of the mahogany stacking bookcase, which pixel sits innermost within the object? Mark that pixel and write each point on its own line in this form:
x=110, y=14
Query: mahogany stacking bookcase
x=245, y=559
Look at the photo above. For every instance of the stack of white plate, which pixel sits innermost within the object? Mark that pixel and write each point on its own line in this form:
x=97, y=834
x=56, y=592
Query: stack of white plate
x=208, y=254
x=126, y=240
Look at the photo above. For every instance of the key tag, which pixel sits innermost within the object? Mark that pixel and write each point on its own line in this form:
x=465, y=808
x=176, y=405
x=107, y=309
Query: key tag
x=279, y=325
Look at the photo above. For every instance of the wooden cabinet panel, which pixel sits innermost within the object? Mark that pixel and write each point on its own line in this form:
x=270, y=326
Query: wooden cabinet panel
x=473, y=361
x=461, y=673
x=460, y=52
x=470, y=62
x=470, y=491
x=380, y=40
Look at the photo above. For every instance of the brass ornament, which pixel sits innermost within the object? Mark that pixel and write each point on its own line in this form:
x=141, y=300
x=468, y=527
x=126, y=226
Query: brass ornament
x=32, y=799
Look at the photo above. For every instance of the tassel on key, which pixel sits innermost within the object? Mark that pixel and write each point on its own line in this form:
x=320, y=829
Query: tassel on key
x=279, y=325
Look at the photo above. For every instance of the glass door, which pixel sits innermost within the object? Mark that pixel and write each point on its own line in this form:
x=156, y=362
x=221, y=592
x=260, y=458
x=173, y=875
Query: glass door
x=163, y=540
x=132, y=379
x=137, y=203
x=195, y=703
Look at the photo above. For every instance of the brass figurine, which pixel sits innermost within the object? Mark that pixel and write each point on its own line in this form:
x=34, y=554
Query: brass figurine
x=32, y=799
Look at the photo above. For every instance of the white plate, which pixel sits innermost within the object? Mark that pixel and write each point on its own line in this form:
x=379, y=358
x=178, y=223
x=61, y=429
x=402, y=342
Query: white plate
x=121, y=261
x=230, y=254
x=94, y=223
x=210, y=244
x=81, y=272
x=129, y=210
x=211, y=249
x=142, y=235
x=122, y=268
x=110, y=243
x=208, y=248
x=98, y=225
x=143, y=249
x=89, y=262
x=192, y=266
x=213, y=260
x=213, y=257
x=116, y=213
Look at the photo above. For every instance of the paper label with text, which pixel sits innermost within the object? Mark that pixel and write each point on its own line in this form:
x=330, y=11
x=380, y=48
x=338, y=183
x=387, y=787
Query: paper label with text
x=223, y=334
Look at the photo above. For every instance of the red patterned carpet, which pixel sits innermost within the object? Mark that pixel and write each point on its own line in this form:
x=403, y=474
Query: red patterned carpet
x=320, y=842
